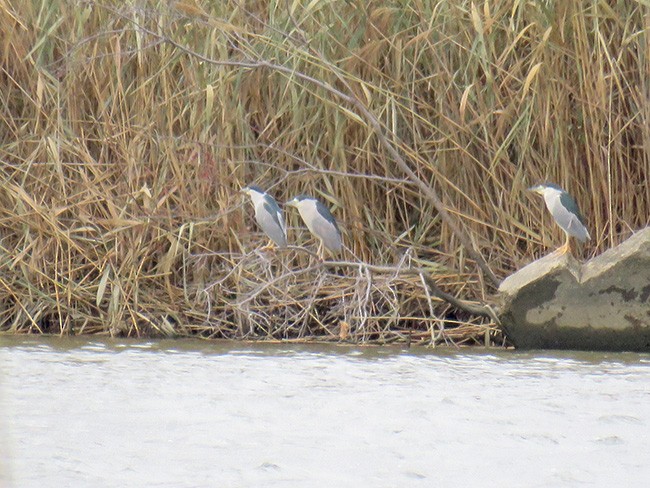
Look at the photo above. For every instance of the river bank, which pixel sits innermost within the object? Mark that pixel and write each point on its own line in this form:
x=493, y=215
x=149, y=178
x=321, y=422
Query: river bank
x=128, y=131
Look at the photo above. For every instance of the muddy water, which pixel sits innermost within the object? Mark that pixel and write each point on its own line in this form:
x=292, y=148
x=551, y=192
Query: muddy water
x=193, y=414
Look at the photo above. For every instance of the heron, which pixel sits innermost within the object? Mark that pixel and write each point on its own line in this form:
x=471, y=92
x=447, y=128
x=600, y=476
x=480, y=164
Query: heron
x=320, y=222
x=565, y=212
x=268, y=214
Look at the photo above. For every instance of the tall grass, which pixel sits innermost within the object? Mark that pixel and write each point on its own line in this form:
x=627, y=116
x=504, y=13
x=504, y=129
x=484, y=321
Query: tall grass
x=127, y=130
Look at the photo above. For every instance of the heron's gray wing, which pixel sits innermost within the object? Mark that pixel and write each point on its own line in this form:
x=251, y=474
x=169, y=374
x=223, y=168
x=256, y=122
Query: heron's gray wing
x=274, y=208
x=327, y=215
x=570, y=204
x=327, y=228
x=566, y=214
x=271, y=222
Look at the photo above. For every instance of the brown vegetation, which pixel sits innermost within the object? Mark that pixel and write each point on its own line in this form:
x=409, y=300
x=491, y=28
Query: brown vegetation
x=127, y=130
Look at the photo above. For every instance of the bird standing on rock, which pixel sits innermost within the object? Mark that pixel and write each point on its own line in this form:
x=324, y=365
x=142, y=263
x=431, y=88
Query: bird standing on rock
x=564, y=210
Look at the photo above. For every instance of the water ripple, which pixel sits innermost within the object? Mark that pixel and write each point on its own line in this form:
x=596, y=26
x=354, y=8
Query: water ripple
x=194, y=413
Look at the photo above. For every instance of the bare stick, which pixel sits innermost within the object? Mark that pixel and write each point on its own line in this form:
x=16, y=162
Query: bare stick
x=480, y=310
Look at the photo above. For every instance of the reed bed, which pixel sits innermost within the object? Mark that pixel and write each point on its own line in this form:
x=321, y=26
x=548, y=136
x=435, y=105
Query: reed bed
x=128, y=128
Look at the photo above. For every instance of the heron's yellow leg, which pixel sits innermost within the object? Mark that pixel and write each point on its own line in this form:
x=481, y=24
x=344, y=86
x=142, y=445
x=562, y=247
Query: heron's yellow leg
x=268, y=247
x=566, y=248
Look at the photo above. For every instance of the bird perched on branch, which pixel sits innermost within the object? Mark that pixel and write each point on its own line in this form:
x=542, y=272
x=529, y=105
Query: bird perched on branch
x=565, y=211
x=320, y=222
x=268, y=215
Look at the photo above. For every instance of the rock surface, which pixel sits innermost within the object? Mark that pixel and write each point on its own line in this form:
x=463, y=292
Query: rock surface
x=604, y=304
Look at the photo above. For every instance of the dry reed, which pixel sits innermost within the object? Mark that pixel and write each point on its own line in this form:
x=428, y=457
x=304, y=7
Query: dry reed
x=127, y=129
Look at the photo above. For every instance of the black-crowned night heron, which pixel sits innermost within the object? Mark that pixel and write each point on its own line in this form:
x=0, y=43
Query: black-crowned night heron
x=268, y=214
x=319, y=220
x=565, y=211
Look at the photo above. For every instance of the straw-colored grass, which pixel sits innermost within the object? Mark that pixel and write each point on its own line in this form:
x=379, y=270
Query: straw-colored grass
x=127, y=129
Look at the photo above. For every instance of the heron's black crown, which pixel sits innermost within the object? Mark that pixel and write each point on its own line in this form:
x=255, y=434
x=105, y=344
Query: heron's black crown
x=255, y=188
x=302, y=197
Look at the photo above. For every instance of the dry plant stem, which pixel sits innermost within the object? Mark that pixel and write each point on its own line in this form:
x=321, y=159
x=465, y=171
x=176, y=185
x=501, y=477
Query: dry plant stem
x=370, y=118
x=472, y=308
x=429, y=191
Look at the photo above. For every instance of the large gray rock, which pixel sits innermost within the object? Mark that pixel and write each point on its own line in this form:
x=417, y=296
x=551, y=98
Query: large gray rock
x=557, y=303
